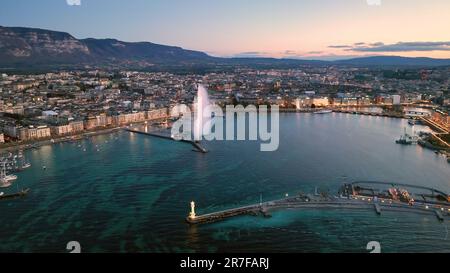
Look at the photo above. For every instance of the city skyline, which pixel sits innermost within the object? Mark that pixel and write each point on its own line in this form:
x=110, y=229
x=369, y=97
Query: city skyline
x=323, y=29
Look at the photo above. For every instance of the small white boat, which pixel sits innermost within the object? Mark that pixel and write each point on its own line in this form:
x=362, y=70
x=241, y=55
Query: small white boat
x=2, y=193
x=4, y=183
x=177, y=137
x=11, y=177
x=322, y=112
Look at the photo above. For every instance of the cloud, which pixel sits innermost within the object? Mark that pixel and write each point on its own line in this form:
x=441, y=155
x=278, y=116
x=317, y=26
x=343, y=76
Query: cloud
x=333, y=57
x=347, y=46
x=290, y=52
x=252, y=54
x=285, y=54
x=315, y=52
x=402, y=47
x=340, y=46
x=73, y=2
x=377, y=44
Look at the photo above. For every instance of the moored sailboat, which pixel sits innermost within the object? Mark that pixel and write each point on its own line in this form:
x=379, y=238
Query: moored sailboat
x=5, y=179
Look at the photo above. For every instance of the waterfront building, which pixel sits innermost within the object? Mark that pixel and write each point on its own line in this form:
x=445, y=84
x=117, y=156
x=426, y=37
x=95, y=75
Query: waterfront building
x=102, y=120
x=68, y=129
x=156, y=114
x=11, y=130
x=364, y=101
x=123, y=119
x=396, y=100
x=91, y=123
x=416, y=113
x=321, y=102
x=303, y=102
x=61, y=130
x=77, y=126
x=346, y=101
x=34, y=133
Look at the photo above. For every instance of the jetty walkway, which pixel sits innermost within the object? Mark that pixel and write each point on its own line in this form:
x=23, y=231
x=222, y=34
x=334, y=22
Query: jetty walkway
x=320, y=202
x=195, y=144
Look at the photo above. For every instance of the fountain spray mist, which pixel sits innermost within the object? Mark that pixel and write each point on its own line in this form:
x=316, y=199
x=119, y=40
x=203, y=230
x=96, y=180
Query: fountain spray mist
x=203, y=115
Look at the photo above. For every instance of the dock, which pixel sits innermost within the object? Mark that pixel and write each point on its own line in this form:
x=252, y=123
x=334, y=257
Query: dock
x=439, y=216
x=377, y=209
x=222, y=215
x=263, y=209
x=195, y=144
x=19, y=194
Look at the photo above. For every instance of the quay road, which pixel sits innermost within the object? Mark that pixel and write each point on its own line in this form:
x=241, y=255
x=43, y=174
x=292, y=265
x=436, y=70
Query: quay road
x=319, y=202
x=439, y=127
x=368, y=113
x=440, y=139
x=434, y=124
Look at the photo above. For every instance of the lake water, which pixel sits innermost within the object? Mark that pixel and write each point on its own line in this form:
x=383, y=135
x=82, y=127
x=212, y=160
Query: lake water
x=130, y=193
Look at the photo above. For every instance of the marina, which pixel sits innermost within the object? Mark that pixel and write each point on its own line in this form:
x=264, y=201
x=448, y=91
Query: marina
x=9, y=164
x=5, y=178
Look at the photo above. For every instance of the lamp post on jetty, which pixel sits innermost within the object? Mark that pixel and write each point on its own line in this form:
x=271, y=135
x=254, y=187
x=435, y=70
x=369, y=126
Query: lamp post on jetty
x=192, y=214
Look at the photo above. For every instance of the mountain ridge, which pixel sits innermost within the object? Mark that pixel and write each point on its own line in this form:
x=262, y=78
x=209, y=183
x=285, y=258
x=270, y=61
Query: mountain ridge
x=22, y=47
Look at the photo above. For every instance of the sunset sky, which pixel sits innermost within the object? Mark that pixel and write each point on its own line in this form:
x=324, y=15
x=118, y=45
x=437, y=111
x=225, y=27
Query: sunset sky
x=317, y=29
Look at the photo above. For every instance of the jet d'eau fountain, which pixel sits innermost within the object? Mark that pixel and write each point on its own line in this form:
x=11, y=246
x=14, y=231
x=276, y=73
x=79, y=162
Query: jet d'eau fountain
x=208, y=122
x=203, y=107
x=202, y=120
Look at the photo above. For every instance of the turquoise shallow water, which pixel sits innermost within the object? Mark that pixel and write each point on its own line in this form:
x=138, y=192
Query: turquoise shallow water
x=131, y=193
